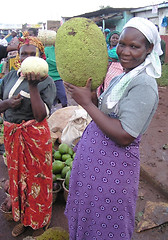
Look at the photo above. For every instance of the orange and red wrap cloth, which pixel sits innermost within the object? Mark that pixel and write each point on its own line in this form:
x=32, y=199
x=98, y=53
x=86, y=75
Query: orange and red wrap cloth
x=28, y=149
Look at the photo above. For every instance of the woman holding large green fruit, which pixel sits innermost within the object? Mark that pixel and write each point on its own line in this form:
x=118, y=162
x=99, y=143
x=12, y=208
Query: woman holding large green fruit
x=105, y=175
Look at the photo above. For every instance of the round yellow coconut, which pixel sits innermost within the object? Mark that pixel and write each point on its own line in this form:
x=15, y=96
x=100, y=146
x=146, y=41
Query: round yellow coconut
x=81, y=52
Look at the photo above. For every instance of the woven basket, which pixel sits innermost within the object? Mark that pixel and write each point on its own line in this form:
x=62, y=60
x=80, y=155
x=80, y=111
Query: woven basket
x=55, y=193
x=66, y=191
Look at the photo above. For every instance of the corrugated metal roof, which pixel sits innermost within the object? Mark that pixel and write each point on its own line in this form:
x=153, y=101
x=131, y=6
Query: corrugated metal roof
x=148, y=8
x=102, y=13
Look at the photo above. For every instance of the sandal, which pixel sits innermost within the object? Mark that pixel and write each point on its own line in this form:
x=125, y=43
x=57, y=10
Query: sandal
x=18, y=229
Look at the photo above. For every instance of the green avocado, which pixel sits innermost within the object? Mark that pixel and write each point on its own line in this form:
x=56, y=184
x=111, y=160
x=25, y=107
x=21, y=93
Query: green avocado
x=64, y=171
x=68, y=161
x=67, y=177
x=57, y=155
x=57, y=166
x=63, y=148
x=65, y=156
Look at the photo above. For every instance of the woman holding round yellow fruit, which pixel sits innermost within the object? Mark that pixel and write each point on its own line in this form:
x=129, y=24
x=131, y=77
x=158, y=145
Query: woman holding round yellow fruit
x=26, y=101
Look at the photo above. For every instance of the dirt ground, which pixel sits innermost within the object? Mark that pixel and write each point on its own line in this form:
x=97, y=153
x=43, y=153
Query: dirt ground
x=155, y=160
x=152, y=154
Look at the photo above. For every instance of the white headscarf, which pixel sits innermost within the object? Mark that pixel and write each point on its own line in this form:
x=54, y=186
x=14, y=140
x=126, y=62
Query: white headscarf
x=151, y=65
x=149, y=30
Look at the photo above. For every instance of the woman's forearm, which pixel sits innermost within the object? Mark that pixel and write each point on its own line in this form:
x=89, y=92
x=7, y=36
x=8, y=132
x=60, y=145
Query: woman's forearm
x=38, y=107
x=14, y=102
x=109, y=126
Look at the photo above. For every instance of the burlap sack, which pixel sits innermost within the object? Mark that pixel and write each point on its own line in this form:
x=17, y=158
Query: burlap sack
x=58, y=120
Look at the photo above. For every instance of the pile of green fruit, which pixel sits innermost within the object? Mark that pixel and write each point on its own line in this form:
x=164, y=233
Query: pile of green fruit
x=62, y=163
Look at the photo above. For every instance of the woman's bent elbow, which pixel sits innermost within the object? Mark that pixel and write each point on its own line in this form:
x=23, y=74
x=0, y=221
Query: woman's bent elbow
x=40, y=118
x=125, y=141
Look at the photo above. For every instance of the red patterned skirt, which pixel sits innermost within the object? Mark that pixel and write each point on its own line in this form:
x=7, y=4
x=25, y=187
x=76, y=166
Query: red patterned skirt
x=28, y=148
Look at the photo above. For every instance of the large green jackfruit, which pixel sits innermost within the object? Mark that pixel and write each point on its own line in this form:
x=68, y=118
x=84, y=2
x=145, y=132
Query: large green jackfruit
x=81, y=52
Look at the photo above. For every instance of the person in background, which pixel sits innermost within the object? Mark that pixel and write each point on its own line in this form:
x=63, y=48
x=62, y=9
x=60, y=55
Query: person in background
x=12, y=54
x=20, y=34
x=33, y=32
x=26, y=101
x=163, y=47
x=53, y=72
x=14, y=40
x=114, y=70
x=107, y=35
x=114, y=66
x=3, y=41
x=1, y=36
x=5, y=49
x=113, y=41
x=104, y=180
x=10, y=36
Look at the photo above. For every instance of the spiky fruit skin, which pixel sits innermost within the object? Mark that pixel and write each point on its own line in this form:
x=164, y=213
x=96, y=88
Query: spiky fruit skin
x=54, y=233
x=81, y=52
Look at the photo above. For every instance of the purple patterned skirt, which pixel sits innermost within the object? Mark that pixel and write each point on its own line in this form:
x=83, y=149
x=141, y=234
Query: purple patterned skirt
x=103, y=188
